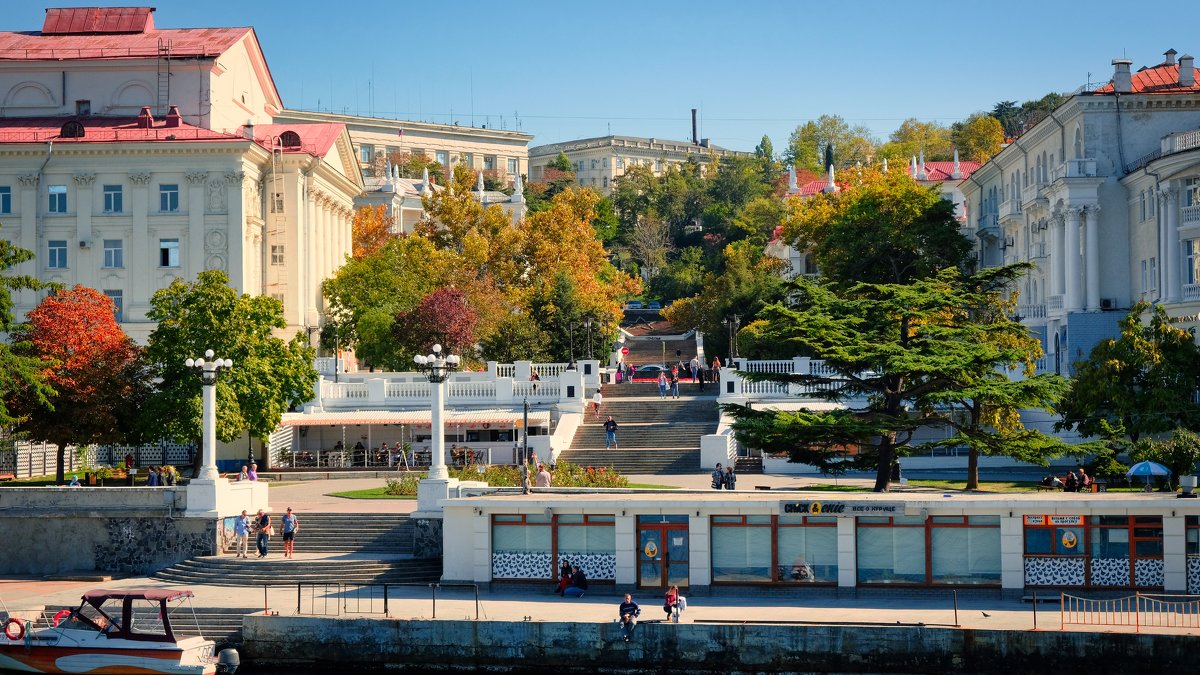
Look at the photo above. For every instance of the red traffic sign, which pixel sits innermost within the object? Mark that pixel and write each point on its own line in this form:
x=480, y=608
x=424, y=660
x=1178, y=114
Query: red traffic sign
x=624, y=351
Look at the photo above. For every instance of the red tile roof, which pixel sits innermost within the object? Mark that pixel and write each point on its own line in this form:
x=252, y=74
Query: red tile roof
x=315, y=138
x=813, y=187
x=98, y=20
x=112, y=33
x=1160, y=79
x=102, y=130
x=939, y=172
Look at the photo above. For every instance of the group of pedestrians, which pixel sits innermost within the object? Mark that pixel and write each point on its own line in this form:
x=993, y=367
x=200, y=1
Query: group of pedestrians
x=542, y=478
x=263, y=529
x=724, y=479
x=629, y=611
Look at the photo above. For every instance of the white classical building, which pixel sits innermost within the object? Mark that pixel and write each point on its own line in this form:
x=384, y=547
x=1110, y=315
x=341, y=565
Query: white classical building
x=131, y=156
x=1096, y=196
x=600, y=161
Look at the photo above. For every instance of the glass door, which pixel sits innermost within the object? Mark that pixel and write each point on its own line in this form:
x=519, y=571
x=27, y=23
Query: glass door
x=662, y=551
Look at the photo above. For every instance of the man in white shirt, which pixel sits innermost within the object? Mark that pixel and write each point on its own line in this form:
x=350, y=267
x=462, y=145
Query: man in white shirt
x=596, y=401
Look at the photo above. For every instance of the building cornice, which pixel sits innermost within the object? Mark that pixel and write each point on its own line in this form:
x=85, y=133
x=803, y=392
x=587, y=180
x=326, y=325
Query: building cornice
x=391, y=126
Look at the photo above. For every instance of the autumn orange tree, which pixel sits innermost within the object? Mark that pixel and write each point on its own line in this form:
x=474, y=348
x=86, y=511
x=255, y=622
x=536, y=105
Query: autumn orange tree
x=97, y=372
x=370, y=230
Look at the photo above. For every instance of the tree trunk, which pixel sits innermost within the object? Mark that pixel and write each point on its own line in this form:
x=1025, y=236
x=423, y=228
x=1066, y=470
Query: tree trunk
x=973, y=469
x=60, y=474
x=887, y=456
x=198, y=458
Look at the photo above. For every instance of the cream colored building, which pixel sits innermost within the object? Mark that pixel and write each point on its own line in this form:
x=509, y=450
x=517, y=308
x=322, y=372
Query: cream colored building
x=489, y=150
x=110, y=194
x=598, y=161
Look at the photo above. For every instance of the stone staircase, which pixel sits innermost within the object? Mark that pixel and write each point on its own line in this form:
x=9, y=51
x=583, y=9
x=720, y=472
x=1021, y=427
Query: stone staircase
x=655, y=436
x=348, y=532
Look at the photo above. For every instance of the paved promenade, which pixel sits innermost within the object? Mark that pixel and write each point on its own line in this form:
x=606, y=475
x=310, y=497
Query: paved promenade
x=873, y=607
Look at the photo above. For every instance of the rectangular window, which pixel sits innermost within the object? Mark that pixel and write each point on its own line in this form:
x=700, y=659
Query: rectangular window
x=468, y=158
x=965, y=550
x=1191, y=254
x=605, y=162
x=368, y=153
x=114, y=253
x=442, y=157
x=168, y=198
x=620, y=163
x=512, y=166
x=1153, y=274
x=118, y=299
x=276, y=202
x=1142, y=195
x=58, y=199
x=278, y=296
x=56, y=254
x=168, y=253
x=113, y=199
x=276, y=254
x=5, y=199
x=489, y=162
x=521, y=547
x=807, y=548
x=1145, y=279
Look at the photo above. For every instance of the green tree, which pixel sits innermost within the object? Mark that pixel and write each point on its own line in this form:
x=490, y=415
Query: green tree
x=1142, y=382
x=979, y=137
x=807, y=144
x=1180, y=454
x=269, y=375
x=892, y=353
x=882, y=228
x=414, y=165
x=914, y=137
x=764, y=149
x=18, y=373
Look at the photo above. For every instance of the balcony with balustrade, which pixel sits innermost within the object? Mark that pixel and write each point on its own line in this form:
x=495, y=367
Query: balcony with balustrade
x=988, y=226
x=1075, y=168
x=1032, y=197
x=1010, y=210
x=1191, y=292
x=1031, y=311
x=1055, y=305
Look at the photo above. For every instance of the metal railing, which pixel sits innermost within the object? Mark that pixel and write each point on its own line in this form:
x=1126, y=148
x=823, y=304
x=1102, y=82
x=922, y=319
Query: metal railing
x=353, y=599
x=1137, y=610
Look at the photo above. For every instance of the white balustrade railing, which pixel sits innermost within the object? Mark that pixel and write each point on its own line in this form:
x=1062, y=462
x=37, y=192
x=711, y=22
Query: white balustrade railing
x=779, y=366
x=1034, y=311
x=818, y=367
x=1190, y=214
x=1191, y=291
x=1039, y=366
x=408, y=390
x=1076, y=168
x=549, y=369
x=1054, y=302
x=342, y=390
x=1010, y=208
x=472, y=390
x=1180, y=142
x=1031, y=192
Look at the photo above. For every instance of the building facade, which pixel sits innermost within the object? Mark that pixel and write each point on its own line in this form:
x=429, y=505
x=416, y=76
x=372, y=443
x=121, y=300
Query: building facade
x=1082, y=196
x=109, y=194
x=599, y=161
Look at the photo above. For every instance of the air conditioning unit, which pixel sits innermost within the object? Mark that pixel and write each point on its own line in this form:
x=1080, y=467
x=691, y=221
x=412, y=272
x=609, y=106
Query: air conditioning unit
x=84, y=243
x=1108, y=303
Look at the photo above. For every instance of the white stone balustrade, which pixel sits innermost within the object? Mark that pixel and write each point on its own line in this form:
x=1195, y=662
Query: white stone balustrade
x=1191, y=292
x=1076, y=168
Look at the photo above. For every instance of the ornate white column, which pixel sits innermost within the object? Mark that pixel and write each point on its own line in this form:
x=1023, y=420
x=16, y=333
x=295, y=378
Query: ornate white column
x=142, y=252
x=197, y=184
x=29, y=237
x=305, y=257
x=1092, y=246
x=84, y=266
x=1073, y=301
x=1172, y=262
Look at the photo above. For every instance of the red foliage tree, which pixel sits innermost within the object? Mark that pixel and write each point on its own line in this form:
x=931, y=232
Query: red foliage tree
x=96, y=372
x=443, y=317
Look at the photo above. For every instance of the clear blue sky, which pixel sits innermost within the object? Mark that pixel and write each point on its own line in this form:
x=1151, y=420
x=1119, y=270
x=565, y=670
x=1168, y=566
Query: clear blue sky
x=573, y=70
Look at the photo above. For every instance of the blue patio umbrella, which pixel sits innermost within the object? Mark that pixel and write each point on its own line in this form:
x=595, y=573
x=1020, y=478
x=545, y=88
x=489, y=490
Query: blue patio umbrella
x=1147, y=469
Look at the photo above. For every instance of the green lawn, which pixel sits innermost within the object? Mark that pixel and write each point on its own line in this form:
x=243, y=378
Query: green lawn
x=652, y=486
x=372, y=493
x=830, y=487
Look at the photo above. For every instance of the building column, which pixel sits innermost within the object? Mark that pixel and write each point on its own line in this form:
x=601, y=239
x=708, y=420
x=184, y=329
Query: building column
x=1160, y=226
x=1172, y=262
x=29, y=238
x=305, y=255
x=1175, y=554
x=1092, y=246
x=239, y=207
x=197, y=183
x=142, y=254
x=84, y=263
x=1012, y=552
x=1058, y=231
x=847, y=552
x=1073, y=301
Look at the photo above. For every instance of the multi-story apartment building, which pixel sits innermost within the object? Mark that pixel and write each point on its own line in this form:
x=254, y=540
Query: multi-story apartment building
x=502, y=153
x=1096, y=195
x=108, y=193
x=599, y=161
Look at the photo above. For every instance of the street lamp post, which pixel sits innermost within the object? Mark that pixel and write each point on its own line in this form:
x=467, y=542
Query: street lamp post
x=208, y=368
x=437, y=367
x=733, y=323
x=587, y=321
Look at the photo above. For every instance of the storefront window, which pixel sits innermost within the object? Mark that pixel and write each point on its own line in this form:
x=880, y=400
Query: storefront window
x=741, y=548
x=965, y=550
x=589, y=542
x=891, y=550
x=1125, y=550
x=521, y=547
x=807, y=549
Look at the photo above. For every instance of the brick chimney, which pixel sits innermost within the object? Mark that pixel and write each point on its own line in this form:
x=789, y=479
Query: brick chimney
x=173, y=117
x=144, y=119
x=1122, y=79
x=1187, y=72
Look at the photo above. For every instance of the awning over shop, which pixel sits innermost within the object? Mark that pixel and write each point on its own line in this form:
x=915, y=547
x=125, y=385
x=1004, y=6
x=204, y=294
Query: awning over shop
x=466, y=419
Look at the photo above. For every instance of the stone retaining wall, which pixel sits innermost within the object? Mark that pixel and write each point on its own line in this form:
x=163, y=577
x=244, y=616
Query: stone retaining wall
x=312, y=643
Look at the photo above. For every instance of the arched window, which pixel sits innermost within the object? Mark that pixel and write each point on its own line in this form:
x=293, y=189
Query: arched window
x=1078, y=143
x=72, y=129
x=289, y=139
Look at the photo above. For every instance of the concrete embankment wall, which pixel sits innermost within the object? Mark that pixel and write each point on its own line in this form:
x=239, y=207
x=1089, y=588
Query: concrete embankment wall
x=132, y=530
x=317, y=644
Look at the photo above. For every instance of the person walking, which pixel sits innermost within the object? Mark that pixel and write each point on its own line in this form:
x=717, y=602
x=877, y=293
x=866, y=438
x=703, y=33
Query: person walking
x=610, y=434
x=674, y=382
x=253, y=475
x=730, y=481
x=718, y=477
x=289, y=525
x=671, y=604
x=241, y=533
x=543, y=477
x=629, y=612
x=263, y=524
x=716, y=369
x=695, y=366
x=597, y=399
x=662, y=385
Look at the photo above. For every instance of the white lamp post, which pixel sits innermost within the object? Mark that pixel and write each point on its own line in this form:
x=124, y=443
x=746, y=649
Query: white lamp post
x=437, y=367
x=208, y=368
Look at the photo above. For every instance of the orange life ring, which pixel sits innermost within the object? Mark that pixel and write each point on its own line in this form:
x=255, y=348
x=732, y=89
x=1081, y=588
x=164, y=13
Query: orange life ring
x=61, y=616
x=14, y=634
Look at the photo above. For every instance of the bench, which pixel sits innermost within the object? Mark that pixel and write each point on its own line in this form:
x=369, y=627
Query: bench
x=8, y=476
x=1046, y=488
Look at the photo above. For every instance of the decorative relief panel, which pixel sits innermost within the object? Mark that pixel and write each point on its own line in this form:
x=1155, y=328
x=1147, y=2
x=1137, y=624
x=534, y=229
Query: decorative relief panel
x=28, y=179
x=216, y=197
x=139, y=177
x=1054, y=571
x=84, y=179
x=196, y=177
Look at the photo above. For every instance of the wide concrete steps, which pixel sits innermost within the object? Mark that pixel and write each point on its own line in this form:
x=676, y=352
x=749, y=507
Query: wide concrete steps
x=348, y=532
x=275, y=569
x=688, y=390
x=626, y=410
x=636, y=462
x=645, y=435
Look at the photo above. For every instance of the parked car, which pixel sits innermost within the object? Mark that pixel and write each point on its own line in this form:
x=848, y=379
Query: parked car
x=651, y=370
x=654, y=305
x=633, y=304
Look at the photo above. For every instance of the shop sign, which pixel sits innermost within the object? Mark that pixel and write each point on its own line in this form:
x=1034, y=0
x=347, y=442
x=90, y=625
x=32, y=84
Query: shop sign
x=843, y=508
x=1054, y=520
